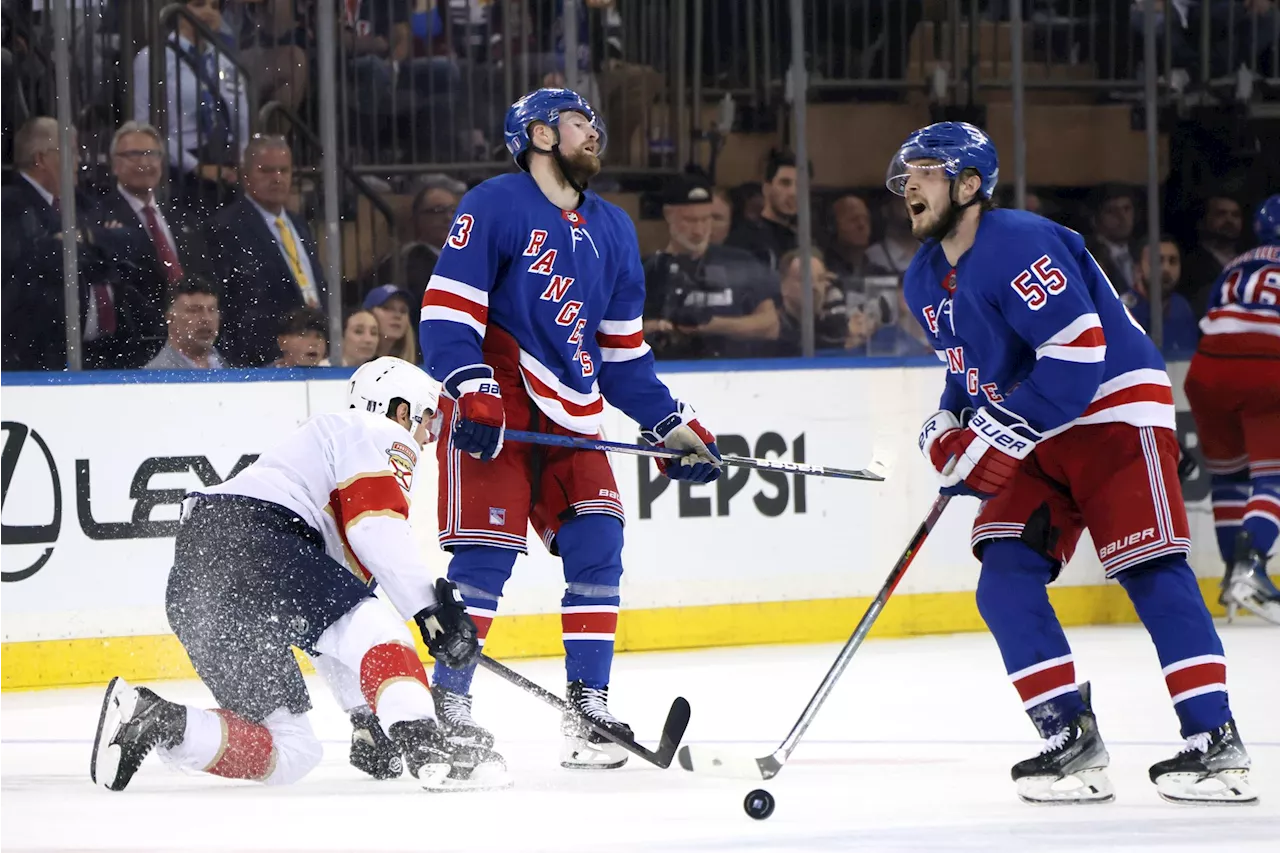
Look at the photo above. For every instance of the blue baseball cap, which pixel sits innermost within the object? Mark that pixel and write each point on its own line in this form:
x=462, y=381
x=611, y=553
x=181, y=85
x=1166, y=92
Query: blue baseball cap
x=379, y=296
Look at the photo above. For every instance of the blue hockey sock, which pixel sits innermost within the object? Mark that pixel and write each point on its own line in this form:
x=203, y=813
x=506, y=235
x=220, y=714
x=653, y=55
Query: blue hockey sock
x=1262, y=513
x=1014, y=602
x=1230, y=497
x=480, y=571
x=591, y=547
x=1167, y=598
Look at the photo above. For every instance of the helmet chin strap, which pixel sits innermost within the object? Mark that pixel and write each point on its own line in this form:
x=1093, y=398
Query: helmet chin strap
x=952, y=218
x=563, y=164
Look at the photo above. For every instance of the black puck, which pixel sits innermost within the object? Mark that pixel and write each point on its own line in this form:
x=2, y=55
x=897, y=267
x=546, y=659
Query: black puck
x=759, y=804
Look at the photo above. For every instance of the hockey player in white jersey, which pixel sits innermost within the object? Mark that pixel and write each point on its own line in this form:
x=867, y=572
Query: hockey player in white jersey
x=284, y=554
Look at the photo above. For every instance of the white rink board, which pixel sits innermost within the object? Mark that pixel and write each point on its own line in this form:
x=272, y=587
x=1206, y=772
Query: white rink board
x=746, y=539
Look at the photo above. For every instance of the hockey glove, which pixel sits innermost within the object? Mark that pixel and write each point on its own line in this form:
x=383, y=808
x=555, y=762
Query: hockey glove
x=978, y=459
x=680, y=430
x=480, y=422
x=447, y=628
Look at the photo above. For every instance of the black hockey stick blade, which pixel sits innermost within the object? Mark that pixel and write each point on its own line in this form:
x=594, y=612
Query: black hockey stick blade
x=672, y=730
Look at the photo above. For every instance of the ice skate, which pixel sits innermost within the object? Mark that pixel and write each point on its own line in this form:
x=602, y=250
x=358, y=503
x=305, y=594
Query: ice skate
x=1071, y=768
x=454, y=713
x=1212, y=769
x=133, y=722
x=371, y=750
x=584, y=747
x=1246, y=584
x=438, y=767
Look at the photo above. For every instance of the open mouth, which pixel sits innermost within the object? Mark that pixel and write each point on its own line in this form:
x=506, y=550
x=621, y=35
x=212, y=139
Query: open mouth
x=917, y=208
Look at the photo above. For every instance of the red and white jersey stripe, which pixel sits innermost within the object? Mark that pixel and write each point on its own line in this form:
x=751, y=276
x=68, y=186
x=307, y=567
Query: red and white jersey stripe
x=1142, y=398
x=1081, y=341
x=1049, y=679
x=589, y=622
x=1195, y=676
x=621, y=340
x=456, y=302
x=569, y=408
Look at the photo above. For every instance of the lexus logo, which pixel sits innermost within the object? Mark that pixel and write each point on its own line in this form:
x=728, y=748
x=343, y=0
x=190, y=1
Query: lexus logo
x=24, y=446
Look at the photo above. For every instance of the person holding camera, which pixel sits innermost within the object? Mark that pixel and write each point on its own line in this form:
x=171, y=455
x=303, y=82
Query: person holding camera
x=835, y=327
x=704, y=300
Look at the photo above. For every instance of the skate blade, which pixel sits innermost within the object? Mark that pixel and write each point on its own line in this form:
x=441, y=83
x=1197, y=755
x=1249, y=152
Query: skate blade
x=117, y=708
x=1245, y=596
x=1228, y=788
x=1084, y=787
x=486, y=776
x=581, y=754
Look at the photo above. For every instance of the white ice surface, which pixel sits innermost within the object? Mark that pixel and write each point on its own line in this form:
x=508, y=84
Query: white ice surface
x=911, y=753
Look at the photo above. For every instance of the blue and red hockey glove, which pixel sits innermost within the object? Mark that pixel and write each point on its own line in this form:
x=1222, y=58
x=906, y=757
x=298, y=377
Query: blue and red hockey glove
x=680, y=430
x=980, y=458
x=480, y=422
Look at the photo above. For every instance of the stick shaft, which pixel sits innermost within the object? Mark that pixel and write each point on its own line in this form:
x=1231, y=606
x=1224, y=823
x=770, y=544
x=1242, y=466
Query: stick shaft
x=587, y=443
x=864, y=627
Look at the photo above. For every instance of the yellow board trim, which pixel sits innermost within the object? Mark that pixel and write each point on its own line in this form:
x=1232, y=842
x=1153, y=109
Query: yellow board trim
x=65, y=663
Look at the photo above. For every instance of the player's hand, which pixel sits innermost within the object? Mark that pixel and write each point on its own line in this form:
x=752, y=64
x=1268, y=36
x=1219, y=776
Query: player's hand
x=978, y=459
x=481, y=422
x=447, y=628
x=681, y=431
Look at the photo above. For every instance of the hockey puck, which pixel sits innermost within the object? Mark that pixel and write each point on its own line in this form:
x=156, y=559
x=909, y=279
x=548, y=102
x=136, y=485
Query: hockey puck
x=759, y=804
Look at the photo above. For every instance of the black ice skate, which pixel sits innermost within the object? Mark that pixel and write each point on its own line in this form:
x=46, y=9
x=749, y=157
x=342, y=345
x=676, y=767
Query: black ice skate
x=371, y=750
x=1212, y=769
x=435, y=763
x=454, y=712
x=585, y=748
x=1072, y=767
x=1246, y=583
x=133, y=722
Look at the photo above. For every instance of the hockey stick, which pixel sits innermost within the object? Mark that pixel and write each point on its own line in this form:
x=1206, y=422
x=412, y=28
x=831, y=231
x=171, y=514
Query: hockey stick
x=672, y=729
x=875, y=472
x=713, y=761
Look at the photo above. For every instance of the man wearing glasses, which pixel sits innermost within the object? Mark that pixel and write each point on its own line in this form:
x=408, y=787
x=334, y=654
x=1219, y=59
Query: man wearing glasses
x=159, y=248
x=433, y=211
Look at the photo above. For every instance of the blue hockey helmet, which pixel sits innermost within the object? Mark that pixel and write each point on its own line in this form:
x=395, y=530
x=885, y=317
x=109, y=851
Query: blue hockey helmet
x=1266, y=222
x=955, y=146
x=544, y=105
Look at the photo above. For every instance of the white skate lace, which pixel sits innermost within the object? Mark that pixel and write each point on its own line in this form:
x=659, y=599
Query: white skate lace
x=593, y=702
x=1055, y=742
x=1197, y=743
x=457, y=709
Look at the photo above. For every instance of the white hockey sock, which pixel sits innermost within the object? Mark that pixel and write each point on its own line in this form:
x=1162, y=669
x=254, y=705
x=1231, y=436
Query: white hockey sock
x=201, y=742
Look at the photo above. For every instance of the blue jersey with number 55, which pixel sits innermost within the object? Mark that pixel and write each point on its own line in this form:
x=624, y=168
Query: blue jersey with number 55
x=1028, y=323
x=567, y=286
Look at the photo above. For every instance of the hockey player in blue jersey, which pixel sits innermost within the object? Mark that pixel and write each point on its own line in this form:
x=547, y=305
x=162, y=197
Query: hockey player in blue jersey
x=532, y=319
x=1071, y=428
x=1234, y=390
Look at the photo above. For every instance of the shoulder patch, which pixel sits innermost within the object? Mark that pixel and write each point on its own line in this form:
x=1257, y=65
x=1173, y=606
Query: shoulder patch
x=402, y=460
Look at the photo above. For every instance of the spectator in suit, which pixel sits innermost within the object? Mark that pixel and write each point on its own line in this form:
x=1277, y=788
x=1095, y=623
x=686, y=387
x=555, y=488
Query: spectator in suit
x=193, y=319
x=264, y=256
x=1111, y=243
x=397, y=316
x=303, y=339
x=208, y=108
x=114, y=320
x=1221, y=223
x=433, y=210
x=159, y=245
x=847, y=254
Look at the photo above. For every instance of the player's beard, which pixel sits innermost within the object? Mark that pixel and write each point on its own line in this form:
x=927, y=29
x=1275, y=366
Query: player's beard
x=942, y=227
x=580, y=166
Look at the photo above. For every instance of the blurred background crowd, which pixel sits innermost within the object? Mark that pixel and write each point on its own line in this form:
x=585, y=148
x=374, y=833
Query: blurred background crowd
x=212, y=228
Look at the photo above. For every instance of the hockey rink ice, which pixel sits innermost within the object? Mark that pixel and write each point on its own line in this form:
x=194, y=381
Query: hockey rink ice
x=911, y=753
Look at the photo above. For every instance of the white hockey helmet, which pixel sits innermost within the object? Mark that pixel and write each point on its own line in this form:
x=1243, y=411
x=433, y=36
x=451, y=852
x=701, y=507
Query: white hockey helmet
x=376, y=383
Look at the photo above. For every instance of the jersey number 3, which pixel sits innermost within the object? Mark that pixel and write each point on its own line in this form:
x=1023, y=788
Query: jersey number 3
x=1037, y=284
x=461, y=233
